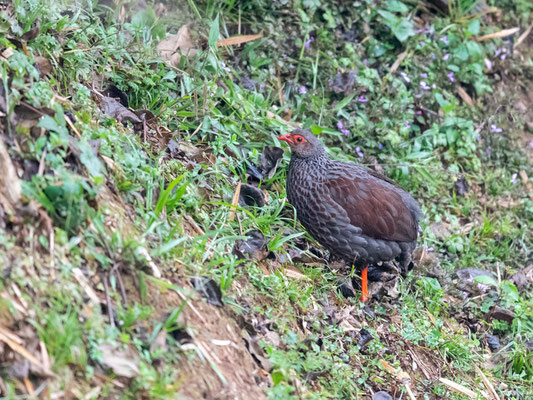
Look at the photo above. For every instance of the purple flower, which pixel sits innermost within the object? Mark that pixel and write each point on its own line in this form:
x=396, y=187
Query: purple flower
x=308, y=42
x=365, y=61
x=495, y=129
x=405, y=77
x=340, y=125
x=434, y=86
x=497, y=52
x=359, y=152
x=423, y=75
x=424, y=85
x=450, y=76
x=261, y=85
x=488, y=64
x=291, y=66
x=419, y=95
x=433, y=56
x=407, y=124
x=422, y=44
x=380, y=146
x=303, y=90
x=503, y=57
x=444, y=40
x=445, y=57
x=488, y=151
x=419, y=112
x=531, y=143
x=284, y=55
x=345, y=131
x=513, y=178
x=478, y=138
x=362, y=99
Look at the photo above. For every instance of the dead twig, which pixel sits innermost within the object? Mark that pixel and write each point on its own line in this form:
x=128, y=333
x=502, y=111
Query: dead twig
x=108, y=302
x=523, y=37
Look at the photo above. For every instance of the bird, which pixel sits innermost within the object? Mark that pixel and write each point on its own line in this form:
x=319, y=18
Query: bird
x=354, y=212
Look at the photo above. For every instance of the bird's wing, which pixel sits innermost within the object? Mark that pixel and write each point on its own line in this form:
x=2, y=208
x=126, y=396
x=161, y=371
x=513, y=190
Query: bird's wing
x=374, y=205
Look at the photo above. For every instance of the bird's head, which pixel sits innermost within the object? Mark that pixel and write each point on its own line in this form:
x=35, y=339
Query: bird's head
x=302, y=143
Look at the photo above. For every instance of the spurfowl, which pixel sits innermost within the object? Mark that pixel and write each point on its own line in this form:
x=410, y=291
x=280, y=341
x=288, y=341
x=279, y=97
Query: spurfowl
x=354, y=212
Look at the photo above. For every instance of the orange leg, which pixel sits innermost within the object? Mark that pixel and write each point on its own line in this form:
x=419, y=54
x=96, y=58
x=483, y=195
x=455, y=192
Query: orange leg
x=364, y=285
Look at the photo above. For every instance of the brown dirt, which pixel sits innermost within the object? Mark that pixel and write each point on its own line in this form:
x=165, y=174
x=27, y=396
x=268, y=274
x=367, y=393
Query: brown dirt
x=228, y=370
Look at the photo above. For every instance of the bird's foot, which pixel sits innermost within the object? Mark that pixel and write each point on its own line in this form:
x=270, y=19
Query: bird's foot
x=364, y=285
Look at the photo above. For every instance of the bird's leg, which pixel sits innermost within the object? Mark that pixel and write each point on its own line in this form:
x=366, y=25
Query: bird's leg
x=364, y=285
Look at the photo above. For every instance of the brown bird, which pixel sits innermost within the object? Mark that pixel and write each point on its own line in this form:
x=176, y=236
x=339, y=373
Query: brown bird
x=354, y=212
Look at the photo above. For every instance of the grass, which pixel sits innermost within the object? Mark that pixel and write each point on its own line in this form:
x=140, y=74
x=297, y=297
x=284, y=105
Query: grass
x=123, y=207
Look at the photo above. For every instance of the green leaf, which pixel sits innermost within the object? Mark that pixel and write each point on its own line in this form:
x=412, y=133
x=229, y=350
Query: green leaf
x=214, y=32
x=401, y=27
x=277, y=377
x=397, y=6
x=90, y=160
x=473, y=27
x=404, y=30
x=510, y=291
x=486, y=280
x=163, y=198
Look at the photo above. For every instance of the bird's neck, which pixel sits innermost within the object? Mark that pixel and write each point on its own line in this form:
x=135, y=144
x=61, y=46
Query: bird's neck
x=313, y=164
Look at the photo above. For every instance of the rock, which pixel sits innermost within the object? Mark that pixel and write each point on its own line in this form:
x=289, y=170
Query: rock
x=382, y=396
x=493, y=342
x=501, y=314
x=365, y=338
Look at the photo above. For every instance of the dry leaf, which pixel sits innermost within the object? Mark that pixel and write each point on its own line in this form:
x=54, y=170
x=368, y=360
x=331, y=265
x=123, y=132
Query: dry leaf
x=44, y=65
x=487, y=383
x=398, y=61
x=10, y=190
x=466, y=98
x=235, y=201
x=231, y=41
x=293, y=272
x=22, y=351
x=458, y=388
x=174, y=46
x=523, y=37
x=124, y=362
x=500, y=34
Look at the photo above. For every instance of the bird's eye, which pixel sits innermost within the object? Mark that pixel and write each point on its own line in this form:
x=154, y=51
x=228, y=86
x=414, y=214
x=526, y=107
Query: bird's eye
x=299, y=139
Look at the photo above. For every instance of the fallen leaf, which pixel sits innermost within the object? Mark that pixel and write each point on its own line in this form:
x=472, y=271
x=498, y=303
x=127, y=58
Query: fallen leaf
x=254, y=247
x=231, y=41
x=174, y=46
x=114, y=109
x=10, y=189
x=251, y=196
x=43, y=65
x=208, y=289
x=235, y=201
x=458, y=388
x=124, y=361
x=343, y=82
x=465, y=96
x=270, y=159
x=500, y=34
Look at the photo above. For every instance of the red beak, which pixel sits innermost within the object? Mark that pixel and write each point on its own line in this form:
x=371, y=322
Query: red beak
x=286, y=138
